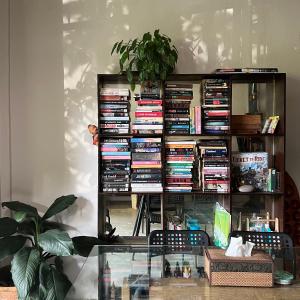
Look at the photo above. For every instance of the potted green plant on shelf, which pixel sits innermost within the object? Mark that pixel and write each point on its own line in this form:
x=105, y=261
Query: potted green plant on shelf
x=153, y=57
x=37, y=245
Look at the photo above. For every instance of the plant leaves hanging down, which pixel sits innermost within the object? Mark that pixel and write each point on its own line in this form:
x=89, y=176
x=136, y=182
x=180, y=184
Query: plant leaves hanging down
x=153, y=57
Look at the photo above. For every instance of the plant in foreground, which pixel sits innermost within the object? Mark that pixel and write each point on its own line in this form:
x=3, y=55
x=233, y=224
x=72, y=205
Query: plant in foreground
x=37, y=245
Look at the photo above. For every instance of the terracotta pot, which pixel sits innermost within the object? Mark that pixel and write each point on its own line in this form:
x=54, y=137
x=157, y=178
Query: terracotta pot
x=8, y=293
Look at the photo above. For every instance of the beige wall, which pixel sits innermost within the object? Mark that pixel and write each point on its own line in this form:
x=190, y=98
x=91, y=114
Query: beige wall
x=58, y=47
x=4, y=104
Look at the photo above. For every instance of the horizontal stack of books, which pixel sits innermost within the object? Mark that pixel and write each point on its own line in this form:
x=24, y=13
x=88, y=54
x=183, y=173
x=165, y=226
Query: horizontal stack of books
x=214, y=166
x=148, y=117
x=115, y=164
x=180, y=162
x=178, y=99
x=146, y=165
x=114, y=111
x=216, y=94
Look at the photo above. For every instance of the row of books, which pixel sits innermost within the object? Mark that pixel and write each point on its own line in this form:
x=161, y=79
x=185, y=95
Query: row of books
x=216, y=95
x=146, y=165
x=137, y=163
x=115, y=164
x=214, y=170
x=177, y=106
x=149, y=111
x=180, y=157
x=114, y=111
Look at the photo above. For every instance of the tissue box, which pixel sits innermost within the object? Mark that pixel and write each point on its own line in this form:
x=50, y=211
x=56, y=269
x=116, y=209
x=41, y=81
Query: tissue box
x=221, y=270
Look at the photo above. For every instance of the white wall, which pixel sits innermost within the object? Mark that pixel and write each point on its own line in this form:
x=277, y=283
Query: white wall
x=58, y=47
x=4, y=104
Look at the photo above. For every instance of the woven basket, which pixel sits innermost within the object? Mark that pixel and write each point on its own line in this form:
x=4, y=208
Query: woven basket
x=8, y=293
x=222, y=270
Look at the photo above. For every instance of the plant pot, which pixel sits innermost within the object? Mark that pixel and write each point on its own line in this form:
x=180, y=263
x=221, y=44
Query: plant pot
x=8, y=293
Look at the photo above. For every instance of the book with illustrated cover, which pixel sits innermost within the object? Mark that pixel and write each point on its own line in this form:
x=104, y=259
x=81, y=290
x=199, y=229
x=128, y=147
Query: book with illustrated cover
x=250, y=168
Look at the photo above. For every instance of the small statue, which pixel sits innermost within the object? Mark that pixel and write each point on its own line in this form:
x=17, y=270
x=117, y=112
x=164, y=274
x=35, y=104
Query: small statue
x=94, y=132
x=186, y=270
x=167, y=269
x=177, y=272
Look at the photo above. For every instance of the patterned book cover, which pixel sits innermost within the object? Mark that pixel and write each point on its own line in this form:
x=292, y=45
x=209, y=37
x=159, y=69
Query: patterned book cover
x=250, y=168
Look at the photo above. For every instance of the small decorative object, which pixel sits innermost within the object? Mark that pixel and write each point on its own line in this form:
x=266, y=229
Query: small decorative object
x=247, y=188
x=270, y=125
x=94, y=132
x=177, y=271
x=283, y=277
x=153, y=57
x=262, y=224
x=186, y=270
x=252, y=102
x=167, y=269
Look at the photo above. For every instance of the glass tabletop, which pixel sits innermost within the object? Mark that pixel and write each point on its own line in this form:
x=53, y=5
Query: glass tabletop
x=164, y=272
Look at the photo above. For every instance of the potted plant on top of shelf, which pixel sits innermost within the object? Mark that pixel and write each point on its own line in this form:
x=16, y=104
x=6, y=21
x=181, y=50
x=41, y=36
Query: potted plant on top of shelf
x=37, y=245
x=153, y=57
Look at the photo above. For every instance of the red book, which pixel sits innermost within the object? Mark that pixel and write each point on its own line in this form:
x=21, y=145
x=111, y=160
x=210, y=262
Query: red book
x=147, y=102
x=149, y=114
x=113, y=97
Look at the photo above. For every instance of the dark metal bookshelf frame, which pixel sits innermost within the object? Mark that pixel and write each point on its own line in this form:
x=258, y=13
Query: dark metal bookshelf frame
x=279, y=82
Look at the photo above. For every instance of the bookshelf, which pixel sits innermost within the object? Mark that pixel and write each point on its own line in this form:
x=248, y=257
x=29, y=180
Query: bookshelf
x=271, y=90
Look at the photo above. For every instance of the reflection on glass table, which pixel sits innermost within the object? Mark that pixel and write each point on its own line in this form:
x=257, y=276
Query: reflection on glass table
x=160, y=272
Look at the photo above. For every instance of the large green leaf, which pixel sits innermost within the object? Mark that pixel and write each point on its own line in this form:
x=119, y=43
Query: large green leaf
x=27, y=227
x=21, y=207
x=8, y=226
x=10, y=245
x=84, y=244
x=56, y=242
x=23, y=268
x=59, y=205
x=54, y=285
x=19, y=216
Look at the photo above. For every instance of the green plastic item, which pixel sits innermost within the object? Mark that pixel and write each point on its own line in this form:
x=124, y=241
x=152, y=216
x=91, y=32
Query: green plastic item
x=221, y=226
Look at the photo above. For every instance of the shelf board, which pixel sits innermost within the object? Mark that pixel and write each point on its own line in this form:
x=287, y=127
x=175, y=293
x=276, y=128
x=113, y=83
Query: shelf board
x=258, y=193
x=191, y=135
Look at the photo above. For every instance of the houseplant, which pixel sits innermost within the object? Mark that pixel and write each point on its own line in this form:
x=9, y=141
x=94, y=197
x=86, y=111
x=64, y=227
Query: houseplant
x=37, y=245
x=153, y=57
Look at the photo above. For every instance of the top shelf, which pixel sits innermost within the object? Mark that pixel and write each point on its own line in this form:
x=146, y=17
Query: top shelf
x=238, y=77
x=192, y=135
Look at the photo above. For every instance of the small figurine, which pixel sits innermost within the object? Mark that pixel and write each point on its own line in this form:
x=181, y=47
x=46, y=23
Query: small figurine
x=94, y=132
x=186, y=270
x=177, y=272
x=167, y=269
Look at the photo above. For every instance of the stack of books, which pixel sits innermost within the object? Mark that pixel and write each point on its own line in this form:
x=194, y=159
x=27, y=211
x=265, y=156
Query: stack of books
x=178, y=99
x=115, y=164
x=195, y=126
x=114, y=111
x=216, y=94
x=149, y=111
x=146, y=165
x=180, y=161
x=214, y=166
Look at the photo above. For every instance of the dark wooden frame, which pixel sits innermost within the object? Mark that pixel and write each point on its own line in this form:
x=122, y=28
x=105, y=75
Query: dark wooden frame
x=279, y=82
